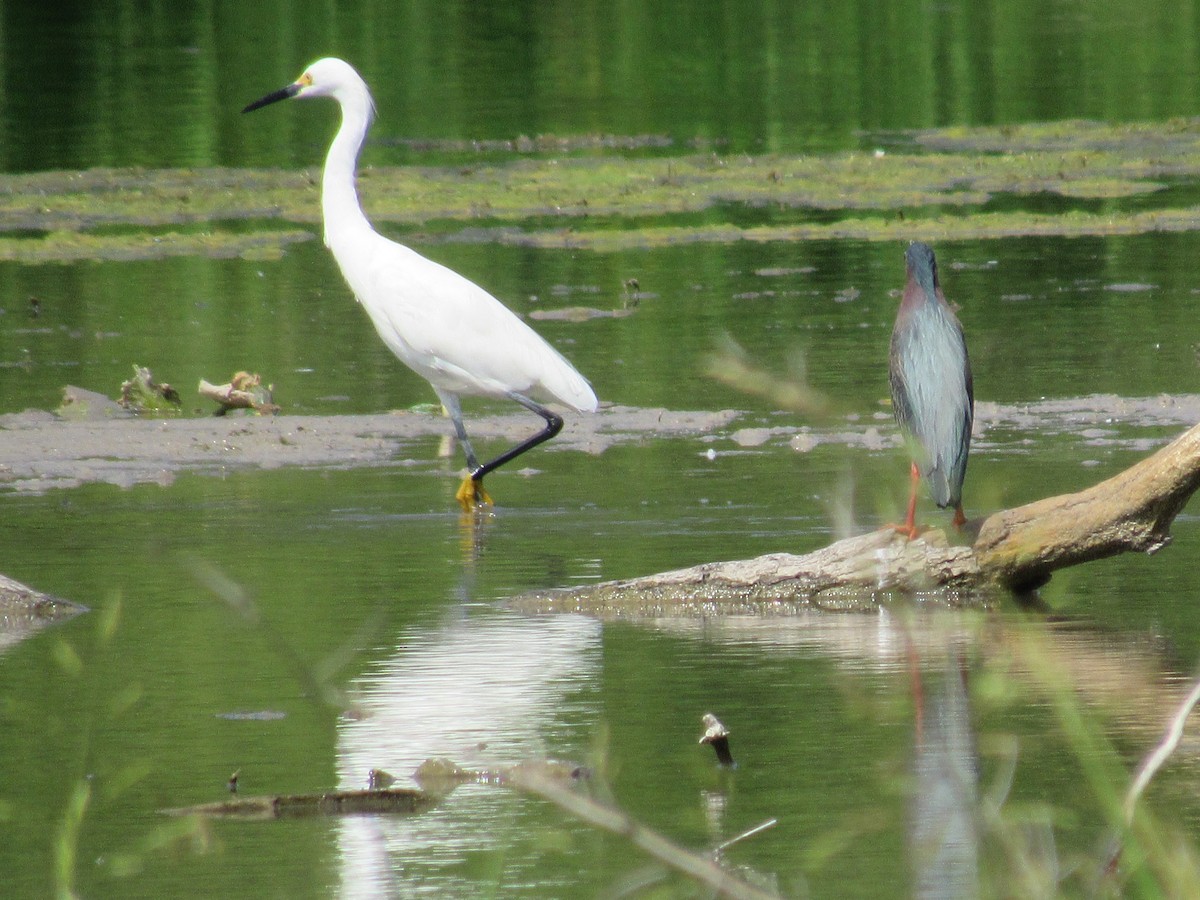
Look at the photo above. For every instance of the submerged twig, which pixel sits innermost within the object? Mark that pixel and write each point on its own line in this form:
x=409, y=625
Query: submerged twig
x=749, y=833
x=1161, y=753
x=703, y=870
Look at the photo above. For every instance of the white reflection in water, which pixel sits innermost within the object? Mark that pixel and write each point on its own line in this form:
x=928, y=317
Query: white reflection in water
x=880, y=642
x=944, y=836
x=483, y=692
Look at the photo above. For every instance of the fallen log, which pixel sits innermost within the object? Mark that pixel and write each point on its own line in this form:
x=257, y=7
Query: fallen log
x=1014, y=550
x=24, y=611
x=437, y=778
x=329, y=803
x=1130, y=512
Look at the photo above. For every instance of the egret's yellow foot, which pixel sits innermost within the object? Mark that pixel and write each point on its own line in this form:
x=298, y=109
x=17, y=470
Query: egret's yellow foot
x=471, y=494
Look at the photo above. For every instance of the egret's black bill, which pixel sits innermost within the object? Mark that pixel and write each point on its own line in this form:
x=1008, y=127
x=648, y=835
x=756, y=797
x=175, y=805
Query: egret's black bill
x=285, y=93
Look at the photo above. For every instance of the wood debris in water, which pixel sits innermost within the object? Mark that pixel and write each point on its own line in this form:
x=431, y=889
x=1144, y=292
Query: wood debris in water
x=243, y=391
x=716, y=734
x=143, y=394
x=436, y=777
x=329, y=803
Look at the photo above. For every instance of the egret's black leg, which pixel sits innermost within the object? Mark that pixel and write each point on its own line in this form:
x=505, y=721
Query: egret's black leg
x=554, y=424
x=471, y=493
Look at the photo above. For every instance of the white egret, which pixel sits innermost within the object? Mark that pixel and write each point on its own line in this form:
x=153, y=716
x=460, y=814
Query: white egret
x=447, y=329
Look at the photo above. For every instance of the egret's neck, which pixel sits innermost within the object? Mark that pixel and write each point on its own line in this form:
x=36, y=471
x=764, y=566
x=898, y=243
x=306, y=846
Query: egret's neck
x=344, y=217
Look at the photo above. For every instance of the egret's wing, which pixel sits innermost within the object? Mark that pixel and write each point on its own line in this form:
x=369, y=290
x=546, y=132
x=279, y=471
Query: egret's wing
x=457, y=335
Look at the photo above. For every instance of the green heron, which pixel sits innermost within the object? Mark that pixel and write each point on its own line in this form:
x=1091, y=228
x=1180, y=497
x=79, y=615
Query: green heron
x=932, y=394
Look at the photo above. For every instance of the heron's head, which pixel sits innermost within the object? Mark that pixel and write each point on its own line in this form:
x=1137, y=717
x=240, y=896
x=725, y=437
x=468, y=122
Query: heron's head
x=922, y=265
x=328, y=77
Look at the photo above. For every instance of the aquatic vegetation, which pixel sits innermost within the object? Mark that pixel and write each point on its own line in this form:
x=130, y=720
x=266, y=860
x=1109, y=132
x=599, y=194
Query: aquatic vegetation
x=941, y=183
x=145, y=395
x=73, y=246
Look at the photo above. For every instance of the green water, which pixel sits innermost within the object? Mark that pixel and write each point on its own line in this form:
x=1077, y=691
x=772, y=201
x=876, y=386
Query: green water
x=368, y=589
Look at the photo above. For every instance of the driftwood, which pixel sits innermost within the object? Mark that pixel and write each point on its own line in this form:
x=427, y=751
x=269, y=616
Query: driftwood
x=436, y=778
x=1131, y=511
x=1013, y=550
x=243, y=391
x=143, y=393
x=329, y=803
x=24, y=611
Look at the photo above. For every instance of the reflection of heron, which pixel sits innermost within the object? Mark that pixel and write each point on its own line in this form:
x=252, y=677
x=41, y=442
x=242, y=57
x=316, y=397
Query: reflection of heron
x=932, y=393
x=944, y=833
x=448, y=330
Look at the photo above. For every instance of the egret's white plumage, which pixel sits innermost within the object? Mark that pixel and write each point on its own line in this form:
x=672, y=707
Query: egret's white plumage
x=444, y=327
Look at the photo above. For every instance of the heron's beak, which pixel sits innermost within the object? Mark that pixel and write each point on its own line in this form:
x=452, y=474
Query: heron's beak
x=284, y=93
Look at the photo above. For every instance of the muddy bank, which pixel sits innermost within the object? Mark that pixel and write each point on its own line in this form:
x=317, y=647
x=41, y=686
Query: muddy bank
x=41, y=451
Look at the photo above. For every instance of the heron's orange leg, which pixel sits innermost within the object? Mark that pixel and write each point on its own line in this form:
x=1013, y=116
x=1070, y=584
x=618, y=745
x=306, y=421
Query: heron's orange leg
x=959, y=519
x=909, y=527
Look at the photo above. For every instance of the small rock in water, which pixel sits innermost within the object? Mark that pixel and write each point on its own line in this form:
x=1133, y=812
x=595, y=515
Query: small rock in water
x=1131, y=287
x=751, y=437
x=378, y=779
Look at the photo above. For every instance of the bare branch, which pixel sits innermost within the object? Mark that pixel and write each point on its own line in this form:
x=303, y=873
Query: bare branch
x=1161, y=753
x=693, y=865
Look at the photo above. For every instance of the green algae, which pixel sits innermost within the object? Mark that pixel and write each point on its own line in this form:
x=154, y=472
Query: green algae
x=936, y=189
x=934, y=228
x=1176, y=137
x=74, y=246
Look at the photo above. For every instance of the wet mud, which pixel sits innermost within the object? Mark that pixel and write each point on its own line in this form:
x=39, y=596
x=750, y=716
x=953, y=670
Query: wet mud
x=42, y=451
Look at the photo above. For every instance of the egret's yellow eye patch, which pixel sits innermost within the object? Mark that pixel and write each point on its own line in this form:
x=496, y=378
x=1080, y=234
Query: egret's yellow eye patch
x=304, y=80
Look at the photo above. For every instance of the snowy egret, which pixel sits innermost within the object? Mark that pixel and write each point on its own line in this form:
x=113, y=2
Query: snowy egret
x=932, y=392
x=447, y=329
